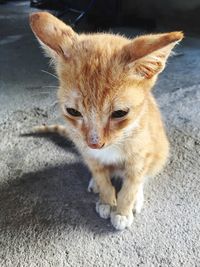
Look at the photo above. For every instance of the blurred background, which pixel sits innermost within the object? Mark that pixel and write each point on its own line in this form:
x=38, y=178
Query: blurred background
x=47, y=217
x=101, y=14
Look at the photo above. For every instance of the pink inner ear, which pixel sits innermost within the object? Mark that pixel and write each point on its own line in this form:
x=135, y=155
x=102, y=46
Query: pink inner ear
x=149, y=68
x=148, y=54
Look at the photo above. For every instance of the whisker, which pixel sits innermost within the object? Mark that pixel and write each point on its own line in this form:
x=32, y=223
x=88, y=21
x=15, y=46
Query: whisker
x=51, y=74
x=50, y=86
x=40, y=93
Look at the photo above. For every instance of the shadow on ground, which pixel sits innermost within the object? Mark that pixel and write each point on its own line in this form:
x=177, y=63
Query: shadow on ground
x=50, y=197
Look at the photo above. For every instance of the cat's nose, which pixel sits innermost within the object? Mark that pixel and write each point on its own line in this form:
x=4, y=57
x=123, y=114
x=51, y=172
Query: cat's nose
x=94, y=141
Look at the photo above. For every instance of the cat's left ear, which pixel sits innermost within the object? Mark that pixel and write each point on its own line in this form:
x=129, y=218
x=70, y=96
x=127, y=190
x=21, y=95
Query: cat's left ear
x=146, y=55
x=54, y=35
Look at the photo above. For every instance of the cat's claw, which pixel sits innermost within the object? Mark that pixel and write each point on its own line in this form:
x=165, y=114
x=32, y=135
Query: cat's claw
x=103, y=210
x=121, y=222
x=92, y=187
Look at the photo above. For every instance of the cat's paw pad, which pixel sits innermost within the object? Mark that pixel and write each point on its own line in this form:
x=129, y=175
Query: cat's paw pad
x=92, y=187
x=121, y=222
x=103, y=210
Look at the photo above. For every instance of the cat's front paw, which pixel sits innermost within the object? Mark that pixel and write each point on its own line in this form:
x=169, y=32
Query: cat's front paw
x=120, y=222
x=92, y=187
x=103, y=210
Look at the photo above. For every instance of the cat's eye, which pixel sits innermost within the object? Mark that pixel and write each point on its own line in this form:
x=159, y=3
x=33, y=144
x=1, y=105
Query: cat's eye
x=73, y=112
x=119, y=113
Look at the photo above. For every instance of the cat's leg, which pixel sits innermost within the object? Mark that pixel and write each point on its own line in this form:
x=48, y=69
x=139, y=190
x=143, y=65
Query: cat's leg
x=130, y=195
x=107, y=195
x=126, y=199
x=139, y=200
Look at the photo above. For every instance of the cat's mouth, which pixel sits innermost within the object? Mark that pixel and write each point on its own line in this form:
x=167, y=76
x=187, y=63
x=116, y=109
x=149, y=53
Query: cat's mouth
x=96, y=146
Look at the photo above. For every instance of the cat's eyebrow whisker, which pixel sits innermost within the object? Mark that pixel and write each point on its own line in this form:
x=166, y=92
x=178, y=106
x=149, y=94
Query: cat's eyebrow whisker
x=54, y=104
x=51, y=74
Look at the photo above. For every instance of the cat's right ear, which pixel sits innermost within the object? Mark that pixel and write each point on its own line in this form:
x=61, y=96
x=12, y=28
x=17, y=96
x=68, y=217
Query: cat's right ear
x=146, y=56
x=54, y=35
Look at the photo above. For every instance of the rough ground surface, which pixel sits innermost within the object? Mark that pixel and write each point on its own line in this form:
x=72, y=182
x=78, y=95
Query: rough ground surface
x=47, y=218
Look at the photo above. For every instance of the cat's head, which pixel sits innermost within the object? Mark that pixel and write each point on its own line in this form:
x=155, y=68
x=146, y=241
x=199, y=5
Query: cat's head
x=104, y=79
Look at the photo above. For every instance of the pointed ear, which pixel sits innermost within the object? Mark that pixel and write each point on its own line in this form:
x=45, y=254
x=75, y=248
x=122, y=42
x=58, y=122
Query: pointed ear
x=54, y=35
x=146, y=55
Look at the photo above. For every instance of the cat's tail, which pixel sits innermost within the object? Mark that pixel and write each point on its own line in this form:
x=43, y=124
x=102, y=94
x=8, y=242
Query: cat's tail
x=59, y=129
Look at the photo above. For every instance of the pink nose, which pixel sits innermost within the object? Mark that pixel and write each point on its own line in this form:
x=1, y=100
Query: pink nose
x=94, y=140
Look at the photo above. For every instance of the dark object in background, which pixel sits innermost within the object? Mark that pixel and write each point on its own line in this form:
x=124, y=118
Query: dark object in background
x=65, y=7
x=48, y=4
x=101, y=14
x=112, y=13
x=150, y=15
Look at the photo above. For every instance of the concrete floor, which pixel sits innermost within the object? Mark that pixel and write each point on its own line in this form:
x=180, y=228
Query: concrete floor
x=47, y=218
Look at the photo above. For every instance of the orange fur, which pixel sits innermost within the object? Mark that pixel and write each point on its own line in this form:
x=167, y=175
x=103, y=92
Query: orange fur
x=100, y=74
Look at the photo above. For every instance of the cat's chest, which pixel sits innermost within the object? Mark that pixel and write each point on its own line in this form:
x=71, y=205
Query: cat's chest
x=109, y=155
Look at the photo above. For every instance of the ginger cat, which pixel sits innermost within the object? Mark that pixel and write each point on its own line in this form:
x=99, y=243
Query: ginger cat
x=110, y=113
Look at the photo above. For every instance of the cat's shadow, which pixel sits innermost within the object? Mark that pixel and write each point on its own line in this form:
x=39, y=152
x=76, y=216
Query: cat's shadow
x=51, y=197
